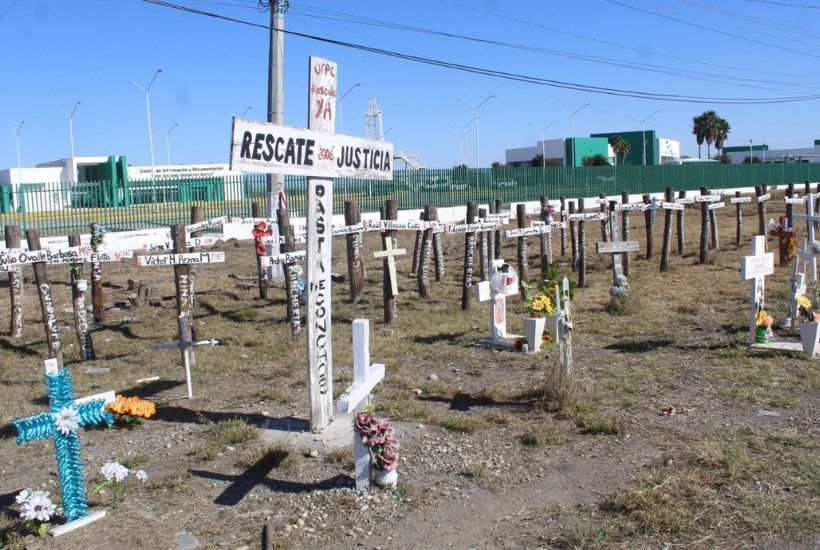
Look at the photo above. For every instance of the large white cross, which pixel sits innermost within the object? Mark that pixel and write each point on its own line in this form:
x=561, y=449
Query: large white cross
x=496, y=291
x=755, y=268
x=810, y=217
x=389, y=254
x=357, y=395
x=564, y=328
x=798, y=284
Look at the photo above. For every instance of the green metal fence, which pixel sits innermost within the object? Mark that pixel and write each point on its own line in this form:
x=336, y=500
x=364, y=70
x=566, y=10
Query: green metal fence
x=65, y=208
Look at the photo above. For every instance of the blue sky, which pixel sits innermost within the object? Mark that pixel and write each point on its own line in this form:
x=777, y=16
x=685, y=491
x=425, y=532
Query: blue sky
x=56, y=53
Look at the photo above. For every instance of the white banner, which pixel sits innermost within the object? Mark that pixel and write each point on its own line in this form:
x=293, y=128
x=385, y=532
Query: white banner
x=265, y=147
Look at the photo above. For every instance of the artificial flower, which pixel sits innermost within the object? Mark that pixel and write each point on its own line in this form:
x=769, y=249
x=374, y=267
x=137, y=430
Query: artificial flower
x=141, y=475
x=66, y=420
x=114, y=471
x=23, y=496
x=38, y=507
x=760, y=318
x=804, y=302
x=133, y=406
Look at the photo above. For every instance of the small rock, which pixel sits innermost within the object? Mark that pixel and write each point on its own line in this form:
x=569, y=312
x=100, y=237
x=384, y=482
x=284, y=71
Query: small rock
x=300, y=522
x=313, y=453
x=432, y=376
x=186, y=541
x=417, y=391
x=767, y=412
x=668, y=462
x=97, y=370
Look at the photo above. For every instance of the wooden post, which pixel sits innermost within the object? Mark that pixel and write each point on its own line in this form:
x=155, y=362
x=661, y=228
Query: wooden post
x=389, y=212
x=739, y=215
x=483, y=255
x=563, y=229
x=424, y=261
x=417, y=250
x=197, y=215
x=544, y=248
x=760, y=190
x=355, y=271
x=438, y=251
x=667, y=231
x=184, y=290
x=571, y=210
x=264, y=286
x=491, y=239
x=647, y=216
x=681, y=227
x=497, y=246
x=469, y=253
x=713, y=228
x=521, y=214
x=15, y=285
x=582, y=256
x=704, y=229
x=790, y=207
x=604, y=222
x=294, y=309
x=625, y=231
x=97, y=300
x=55, y=349
x=78, y=287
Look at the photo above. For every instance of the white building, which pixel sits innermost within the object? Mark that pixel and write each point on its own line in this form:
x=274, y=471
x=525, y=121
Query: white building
x=739, y=153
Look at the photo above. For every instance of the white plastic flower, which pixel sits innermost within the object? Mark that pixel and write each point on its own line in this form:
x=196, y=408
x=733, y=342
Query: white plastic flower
x=114, y=470
x=66, y=420
x=142, y=475
x=38, y=507
x=23, y=496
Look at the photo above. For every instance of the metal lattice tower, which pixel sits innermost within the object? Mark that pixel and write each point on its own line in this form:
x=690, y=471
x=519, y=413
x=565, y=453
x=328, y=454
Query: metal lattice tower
x=373, y=128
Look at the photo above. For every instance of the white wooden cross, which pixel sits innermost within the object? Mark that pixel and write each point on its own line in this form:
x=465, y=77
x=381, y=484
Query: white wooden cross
x=798, y=283
x=496, y=291
x=810, y=217
x=389, y=254
x=616, y=247
x=564, y=329
x=755, y=268
x=357, y=395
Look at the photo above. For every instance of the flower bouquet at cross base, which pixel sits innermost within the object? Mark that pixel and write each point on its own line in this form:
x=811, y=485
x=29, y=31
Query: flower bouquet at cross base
x=806, y=309
x=130, y=410
x=379, y=436
x=764, y=322
x=540, y=298
x=36, y=509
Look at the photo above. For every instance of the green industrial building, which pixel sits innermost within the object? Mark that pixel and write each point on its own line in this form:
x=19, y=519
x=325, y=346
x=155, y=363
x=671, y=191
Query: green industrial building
x=583, y=147
x=635, y=140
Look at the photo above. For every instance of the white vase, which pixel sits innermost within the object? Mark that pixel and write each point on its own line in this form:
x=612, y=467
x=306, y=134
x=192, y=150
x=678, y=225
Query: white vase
x=534, y=330
x=384, y=478
x=809, y=332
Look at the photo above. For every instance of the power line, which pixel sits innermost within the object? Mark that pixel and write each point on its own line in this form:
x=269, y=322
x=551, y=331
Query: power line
x=787, y=4
x=596, y=40
x=505, y=74
x=655, y=69
x=759, y=21
x=8, y=9
x=710, y=29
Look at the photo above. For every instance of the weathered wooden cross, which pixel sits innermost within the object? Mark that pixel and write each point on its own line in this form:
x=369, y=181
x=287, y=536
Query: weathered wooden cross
x=615, y=246
x=810, y=218
x=502, y=283
x=798, y=282
x=785, y=237
x=564, y=329
x=357, y=395
x=321, y=156
x=389, y=254
x=60, y=424
x=755, y=268
x=184, y=344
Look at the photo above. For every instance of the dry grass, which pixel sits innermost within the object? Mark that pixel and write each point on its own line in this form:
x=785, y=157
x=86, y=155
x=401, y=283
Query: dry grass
x=541, y=435
x=264, y=459
x=462, y=424
x=223, y=434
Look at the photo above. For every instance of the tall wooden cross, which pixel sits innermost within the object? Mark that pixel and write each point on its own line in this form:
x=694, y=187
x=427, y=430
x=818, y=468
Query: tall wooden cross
x=66, y=415
x=616, y=247
x=321, y=156
x=389, y=254
x=755, y=268
x=357, y=395
x=785, y=236
x=564, y=329
x=798, y=282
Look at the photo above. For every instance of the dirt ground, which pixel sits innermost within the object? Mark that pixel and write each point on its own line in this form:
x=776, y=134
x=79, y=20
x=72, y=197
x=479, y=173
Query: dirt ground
x=494, y=454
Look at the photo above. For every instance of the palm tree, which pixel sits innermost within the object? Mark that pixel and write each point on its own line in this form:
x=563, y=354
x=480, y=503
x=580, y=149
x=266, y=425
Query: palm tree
x=722, y=129
x=699, y=129
x=620, y=146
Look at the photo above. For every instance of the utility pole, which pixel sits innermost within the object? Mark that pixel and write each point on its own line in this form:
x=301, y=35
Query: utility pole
x=276, y=88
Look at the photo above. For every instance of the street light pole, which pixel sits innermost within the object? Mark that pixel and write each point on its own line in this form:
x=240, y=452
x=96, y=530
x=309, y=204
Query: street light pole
x=477, y=118
x=751, y=155
x=147, y=91
x=17, y=137
x=71, y=124
x=643, y=135
x=572, y=129
x=341, y=116
x=168, y=142
x=544, y=147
